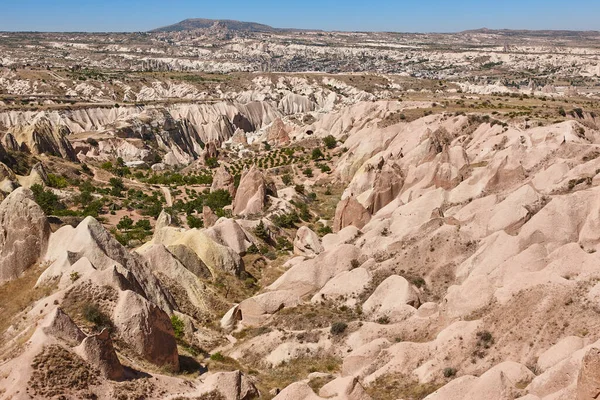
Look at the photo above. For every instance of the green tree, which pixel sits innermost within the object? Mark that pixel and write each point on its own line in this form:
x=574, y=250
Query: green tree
x=143, y=224
x=117, y=187
x=194, y=222
x=317, y=154
x=57, y=181
x=261, y=231
x=125, y=223
x=329, y=141
x=46, y=199
x=218, y=199
x=212, y=162
x=287, y=179
x=178, y=326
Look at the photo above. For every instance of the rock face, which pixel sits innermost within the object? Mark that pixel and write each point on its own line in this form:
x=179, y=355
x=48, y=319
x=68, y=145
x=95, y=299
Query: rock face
x=231, y=318
x=388, y=183
x=190, y=261
x=147, y=329
x=307, y=243
x=24, y=232
x=278, y=132
x=350, y=212
x=208, y=217
x=251, y=194
x=98, y=350
x=222, y=180
x=44, y=137
x=256, y=309
x=231, y=385
x=164, y=220
x=61, y=326
x=393, y=298
x=228, y=232
x=211, y=150
x=588, y=381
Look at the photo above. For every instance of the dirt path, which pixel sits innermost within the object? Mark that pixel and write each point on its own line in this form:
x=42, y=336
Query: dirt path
x=168, y=197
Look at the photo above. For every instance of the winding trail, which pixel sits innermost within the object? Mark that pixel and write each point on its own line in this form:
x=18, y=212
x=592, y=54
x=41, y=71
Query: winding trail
x=168, y=197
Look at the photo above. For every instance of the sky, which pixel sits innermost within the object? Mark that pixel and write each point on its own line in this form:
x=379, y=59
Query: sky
x=348, y=15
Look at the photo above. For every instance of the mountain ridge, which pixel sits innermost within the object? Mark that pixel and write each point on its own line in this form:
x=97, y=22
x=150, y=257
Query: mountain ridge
x=204, y=23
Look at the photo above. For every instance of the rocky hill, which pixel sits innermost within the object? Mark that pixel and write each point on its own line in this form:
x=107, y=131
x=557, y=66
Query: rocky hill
x=203, y=23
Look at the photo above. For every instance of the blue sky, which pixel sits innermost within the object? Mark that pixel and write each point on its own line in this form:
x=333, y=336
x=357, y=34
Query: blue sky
x=372, y=15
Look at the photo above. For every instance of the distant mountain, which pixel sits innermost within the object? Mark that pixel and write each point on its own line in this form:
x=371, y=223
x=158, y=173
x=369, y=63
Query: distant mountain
x=203, y=23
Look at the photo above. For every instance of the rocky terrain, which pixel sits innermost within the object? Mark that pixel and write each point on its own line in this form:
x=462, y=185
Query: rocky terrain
x=400, y=229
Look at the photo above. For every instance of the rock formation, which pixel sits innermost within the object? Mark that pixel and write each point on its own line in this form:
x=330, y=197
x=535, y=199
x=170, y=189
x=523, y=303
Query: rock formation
x=307, y=243
x=588, y=381
x=147, y=329
x=24, y=232
x=98, y=351
x=350, y=212
x=222, y=180
x=251, y=194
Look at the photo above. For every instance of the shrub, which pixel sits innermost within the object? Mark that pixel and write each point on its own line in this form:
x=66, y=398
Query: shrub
x=194, y=222
x=286, y=220
x=287, y=179
x=449, y=372
x=383, y=320
x=57, y=181
x=317, y=154
x=485, y=339
x=338, y=328
x=299, y=189
x=143, y=224
x=261, y=231
x=217, y=199
x=324, y=230
x=125, y=223
x=418, y=282
x=92, y=314
x=308, y=172
x=46, y=199
x=178, y=326
x=117, y=187
x=284, y=244
x=217, y=356
x=329, y=141
x=324, y=168
x=212, y=162
x=74, y=276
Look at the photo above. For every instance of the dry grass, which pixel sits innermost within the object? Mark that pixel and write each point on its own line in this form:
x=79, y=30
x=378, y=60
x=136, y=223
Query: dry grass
x=313, y=316
x=317, y=383
x=327, y=200
x=134, y=390
x=19, y=295
x=295, y=370
x=57, y=371
x=391, y=387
